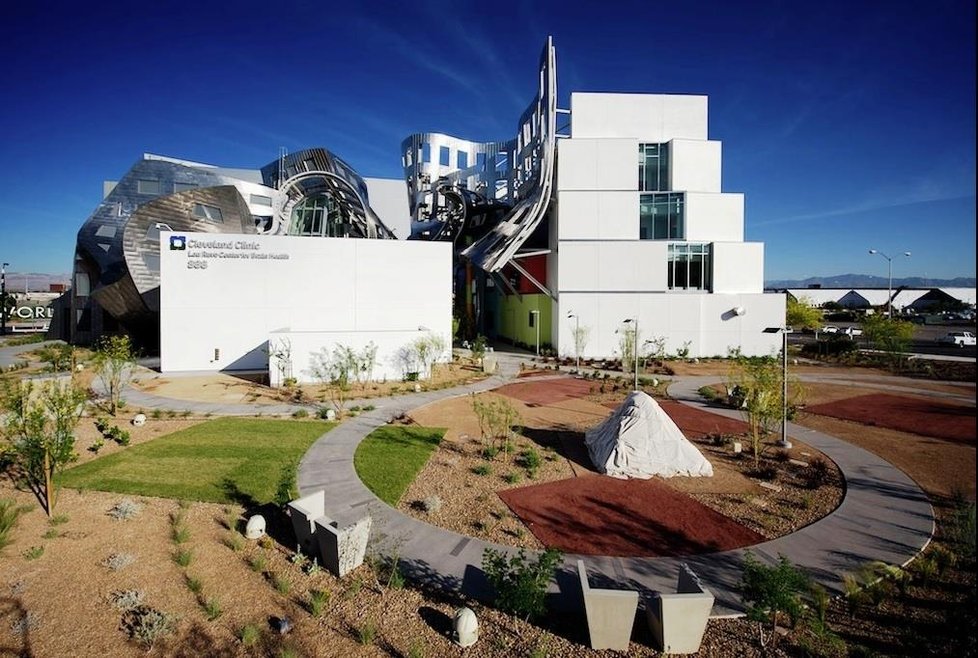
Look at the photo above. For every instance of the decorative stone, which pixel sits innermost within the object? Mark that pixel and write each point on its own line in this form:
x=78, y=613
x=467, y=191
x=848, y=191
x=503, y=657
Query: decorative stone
x=655, y=382
x=738, y=447
x=330, y=414
x=466, y=627
x=139, y=420
x=417, y=388
x=797, y=462
x=282, y=625
x=256, y=527
x=768, y=485
x=79, y=367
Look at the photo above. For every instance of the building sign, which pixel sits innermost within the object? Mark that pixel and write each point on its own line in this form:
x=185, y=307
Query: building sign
x=203, y=253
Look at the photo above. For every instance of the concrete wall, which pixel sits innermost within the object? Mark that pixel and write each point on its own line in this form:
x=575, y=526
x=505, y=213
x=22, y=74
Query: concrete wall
x=707, y=321
x=219, y=303
x=612, y=266
x=514, y=318
x=738, y=267
x=646, y=117
x=597, y=164
x=714, y=217
x=695, y=165
x=589, y=215
x=389, y=199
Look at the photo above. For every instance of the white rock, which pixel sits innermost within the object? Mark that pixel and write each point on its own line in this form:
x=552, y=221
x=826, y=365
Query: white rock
x=80, y=367
x=417, y=388
x=330, y=414
x=737, y=447
x=256, y=527
x=466, y=627
x=139, y=420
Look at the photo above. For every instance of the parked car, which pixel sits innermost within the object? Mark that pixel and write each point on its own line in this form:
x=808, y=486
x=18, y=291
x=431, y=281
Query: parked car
x=852, y=331
x=829, y=329
x=957, y=338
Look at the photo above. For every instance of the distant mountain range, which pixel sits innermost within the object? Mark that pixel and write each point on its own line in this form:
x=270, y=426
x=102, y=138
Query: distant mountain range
x=35, y=281
x=870, y=281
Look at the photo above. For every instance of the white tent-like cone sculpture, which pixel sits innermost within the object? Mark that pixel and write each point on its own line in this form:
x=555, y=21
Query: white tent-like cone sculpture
x=640, y=440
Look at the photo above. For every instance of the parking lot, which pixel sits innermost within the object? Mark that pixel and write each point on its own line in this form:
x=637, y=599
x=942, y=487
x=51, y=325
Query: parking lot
x=924, y=342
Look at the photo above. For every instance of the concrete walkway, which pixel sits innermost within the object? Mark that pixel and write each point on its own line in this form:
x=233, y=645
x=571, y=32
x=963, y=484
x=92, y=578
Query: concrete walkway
x=884, y=516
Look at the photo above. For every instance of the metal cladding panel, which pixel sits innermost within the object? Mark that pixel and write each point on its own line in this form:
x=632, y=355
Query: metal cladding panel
x=533, y=174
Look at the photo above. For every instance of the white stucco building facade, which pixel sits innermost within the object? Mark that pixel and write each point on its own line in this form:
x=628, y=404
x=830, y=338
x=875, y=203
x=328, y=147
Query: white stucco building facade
x=642, y=230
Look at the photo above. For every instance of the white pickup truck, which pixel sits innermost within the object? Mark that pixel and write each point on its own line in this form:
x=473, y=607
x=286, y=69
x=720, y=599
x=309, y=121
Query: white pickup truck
x=958, y=339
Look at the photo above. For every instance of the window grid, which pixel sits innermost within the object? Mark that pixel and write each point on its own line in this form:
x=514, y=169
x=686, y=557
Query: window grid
x=318, y=216
x=690, y=266
x=653, y=168
x=662, y=216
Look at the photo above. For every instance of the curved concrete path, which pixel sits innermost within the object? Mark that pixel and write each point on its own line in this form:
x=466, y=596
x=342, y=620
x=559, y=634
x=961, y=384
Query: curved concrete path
x=884, y=516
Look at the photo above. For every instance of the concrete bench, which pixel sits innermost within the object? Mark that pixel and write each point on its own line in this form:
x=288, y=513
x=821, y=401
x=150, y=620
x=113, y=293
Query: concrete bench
x=678, y=621
x=304, y=512
x=610, y=614
x=339, y=549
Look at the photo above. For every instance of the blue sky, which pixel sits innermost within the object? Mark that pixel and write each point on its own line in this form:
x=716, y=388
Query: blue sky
x=848, y=125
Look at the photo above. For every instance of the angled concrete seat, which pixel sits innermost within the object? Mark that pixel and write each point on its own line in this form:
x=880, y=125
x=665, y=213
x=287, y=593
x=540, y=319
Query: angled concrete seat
x=342, y=550
x=304, y=512
x=610, y=614
x=678, y=621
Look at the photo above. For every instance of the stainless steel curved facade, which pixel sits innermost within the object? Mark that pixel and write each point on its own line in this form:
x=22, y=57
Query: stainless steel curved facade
x=117, y=252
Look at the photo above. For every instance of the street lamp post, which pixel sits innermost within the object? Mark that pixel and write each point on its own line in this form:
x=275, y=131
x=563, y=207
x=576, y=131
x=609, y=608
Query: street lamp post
x=3, y=298
x=889, y=280
x=536, y=323
x=635, y=343
x=577, y=333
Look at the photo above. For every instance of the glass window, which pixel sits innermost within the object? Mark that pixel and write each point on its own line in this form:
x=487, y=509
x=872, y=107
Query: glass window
x=444, y=156
x=148, y=187
x=183, y=187
x=426, y=152
x=319, y=216
x=653, y=168
x=690, y=267
x=463, y=159
x=261, y=200
x=662, y=216
x=310, y=164
x=208, y=213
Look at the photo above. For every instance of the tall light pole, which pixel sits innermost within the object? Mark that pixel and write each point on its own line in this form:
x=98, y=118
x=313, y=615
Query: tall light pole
x=577, y=333
x=784, y=442
x=889, y=280
x=536, y=323
x=635, y=343
x=3, y=298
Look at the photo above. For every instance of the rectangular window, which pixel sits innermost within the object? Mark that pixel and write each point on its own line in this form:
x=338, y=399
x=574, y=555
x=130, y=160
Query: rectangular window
x=444, y=156
x=653, y=168
x=208, y=213
x=261, y=200
x=147, y=187
x=480, y=159
x=183, y=187
x=662, y=216
x=690, y=267
x=426, y=153
x=309, y=164
x=532, y=318
x=463, y=159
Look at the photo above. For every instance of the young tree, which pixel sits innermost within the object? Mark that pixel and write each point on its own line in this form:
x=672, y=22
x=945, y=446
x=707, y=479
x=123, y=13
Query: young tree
x=280, y=357
x=890, y=336
x=115, y=363
x=581, y=336
x=59, y=356
x=800, y=313
x=40, y=425
x=627, y=336
x=332, y=370
x=368, y=361
x=772, y=590
x=758, y=386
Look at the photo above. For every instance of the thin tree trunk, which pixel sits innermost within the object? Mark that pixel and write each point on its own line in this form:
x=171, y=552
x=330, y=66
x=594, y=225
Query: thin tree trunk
x=48, y=491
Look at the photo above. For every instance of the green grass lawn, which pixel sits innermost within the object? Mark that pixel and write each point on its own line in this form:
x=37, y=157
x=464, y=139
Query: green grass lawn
x=388, y=460
x=238, y=460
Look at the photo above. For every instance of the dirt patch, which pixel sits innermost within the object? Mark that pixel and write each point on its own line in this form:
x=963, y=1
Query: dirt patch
x=546, y=392
x=905, y=414
x=635, y=518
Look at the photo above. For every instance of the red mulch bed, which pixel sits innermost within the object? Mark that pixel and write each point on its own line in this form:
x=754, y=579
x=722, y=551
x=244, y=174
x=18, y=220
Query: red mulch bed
x=934, y=419
x=546, y=392
x=629, y=518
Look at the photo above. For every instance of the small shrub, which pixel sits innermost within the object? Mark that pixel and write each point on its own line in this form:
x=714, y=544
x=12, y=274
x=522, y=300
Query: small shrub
x=817, y=473
x=118, y=561
x=369, y=407
x=490, y=452
x=258, y=562
x=313, y=568
x=944, y=559
x=10, y=513
x=298, y=557
x=520, y=585
x=212, y=608
x=511, y=478
x=367, y=633
x=317, y=601
x=193, y=584
x=129, y=599
x=323, y=413
x=282, y=584
x=234, y=541
x=97, y=445
x=33, y=553
x=249, y=634
x=59, y=519
x=285, y=492
x=125, y=509
x=146, y=625
x=183, y=557
x=482, y=469
x=157, y=414
x=180, y=534
x=771, y=590
x=300, y=413
x=186, y=413
x=720, y=440
x=51, y=533
x=529, y=459
x=924, y=568
x=119, y=435
x=431, y=504
x=766, y=472
x=354, y=588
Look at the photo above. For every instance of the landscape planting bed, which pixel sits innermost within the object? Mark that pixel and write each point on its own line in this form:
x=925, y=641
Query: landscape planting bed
x=905, y=414
x=633, y=518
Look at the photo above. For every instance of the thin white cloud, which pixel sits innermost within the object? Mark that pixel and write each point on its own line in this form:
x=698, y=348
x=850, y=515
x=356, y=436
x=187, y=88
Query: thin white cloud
x=868, y=206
